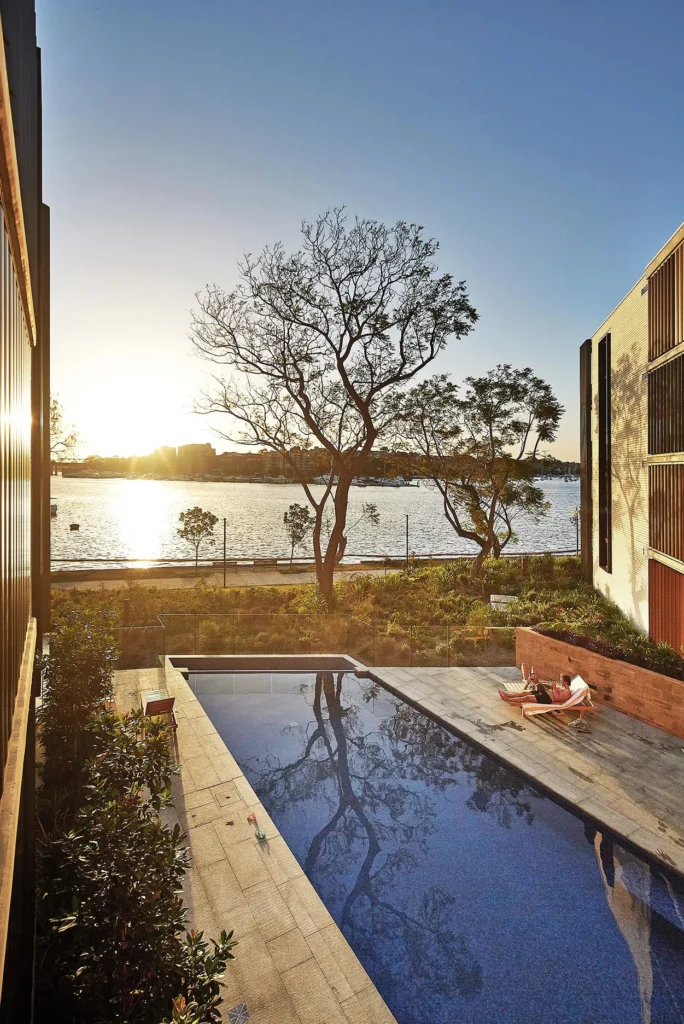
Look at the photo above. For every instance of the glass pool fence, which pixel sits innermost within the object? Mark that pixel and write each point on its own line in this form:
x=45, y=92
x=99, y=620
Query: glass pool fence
x=389, y=643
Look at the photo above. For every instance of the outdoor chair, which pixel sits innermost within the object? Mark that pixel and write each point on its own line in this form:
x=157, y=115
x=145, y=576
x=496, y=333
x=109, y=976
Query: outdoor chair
x=156, y=706
x=580, y=700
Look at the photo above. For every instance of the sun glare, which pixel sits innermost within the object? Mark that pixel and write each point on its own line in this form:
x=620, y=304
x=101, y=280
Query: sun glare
x=139, y=517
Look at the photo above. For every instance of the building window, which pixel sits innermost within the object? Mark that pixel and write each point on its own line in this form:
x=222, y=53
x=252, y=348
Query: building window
x=666, y=408
x=666, y=305
x=604, y=460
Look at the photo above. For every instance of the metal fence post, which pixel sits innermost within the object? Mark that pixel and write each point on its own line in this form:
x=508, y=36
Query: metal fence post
x=195, y=632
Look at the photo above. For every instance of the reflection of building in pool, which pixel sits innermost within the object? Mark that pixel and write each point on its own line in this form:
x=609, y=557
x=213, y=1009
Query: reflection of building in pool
x=632, y=444
x=645, y=907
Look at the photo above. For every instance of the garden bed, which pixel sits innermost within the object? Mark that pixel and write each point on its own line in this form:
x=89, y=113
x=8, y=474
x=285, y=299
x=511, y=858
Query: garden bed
x=639, y=692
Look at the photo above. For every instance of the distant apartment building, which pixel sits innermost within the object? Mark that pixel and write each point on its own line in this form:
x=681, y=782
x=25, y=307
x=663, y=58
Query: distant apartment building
x=194, y=459
x=24, y=485
x=632, y=450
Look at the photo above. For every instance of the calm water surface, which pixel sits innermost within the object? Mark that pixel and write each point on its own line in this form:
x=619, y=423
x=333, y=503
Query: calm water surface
x=138, y=519
x=468, y=897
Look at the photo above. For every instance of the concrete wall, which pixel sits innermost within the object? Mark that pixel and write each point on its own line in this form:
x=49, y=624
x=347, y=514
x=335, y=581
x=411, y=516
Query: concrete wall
x=627, y=584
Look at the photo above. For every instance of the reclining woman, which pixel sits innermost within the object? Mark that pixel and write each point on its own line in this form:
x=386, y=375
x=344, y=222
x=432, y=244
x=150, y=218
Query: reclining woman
x=538, y=694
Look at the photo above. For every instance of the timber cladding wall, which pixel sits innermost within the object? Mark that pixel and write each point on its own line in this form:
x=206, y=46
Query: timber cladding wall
x=638, y=692
x=627, y=581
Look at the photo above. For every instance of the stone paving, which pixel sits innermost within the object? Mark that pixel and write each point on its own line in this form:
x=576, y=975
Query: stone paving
x=293, y=965
x=626, y=775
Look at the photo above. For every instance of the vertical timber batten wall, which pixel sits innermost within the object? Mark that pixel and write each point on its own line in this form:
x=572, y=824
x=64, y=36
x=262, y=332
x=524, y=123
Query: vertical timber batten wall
x=24, y=483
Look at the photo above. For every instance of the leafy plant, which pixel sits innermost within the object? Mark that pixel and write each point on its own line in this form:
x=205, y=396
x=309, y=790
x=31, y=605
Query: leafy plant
x=299, y=522
x=111, y=941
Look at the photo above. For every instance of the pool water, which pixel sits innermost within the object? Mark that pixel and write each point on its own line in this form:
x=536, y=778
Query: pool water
x=469, y=897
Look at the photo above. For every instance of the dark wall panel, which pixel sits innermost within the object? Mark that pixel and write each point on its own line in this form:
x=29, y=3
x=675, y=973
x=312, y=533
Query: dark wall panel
x=666, y=408
x=666, y=509
x=666, y=305
x=666, y=604
x=586, y=466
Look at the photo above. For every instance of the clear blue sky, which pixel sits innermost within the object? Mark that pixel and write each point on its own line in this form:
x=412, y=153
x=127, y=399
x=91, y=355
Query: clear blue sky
x=540, y=142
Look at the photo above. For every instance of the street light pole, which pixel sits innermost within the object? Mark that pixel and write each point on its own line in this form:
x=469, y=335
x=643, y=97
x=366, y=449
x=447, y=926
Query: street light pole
x=224, y=553
x=407, y=543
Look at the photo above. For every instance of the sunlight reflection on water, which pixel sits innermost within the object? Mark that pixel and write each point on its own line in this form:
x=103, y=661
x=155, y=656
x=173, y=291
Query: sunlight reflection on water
x=138, y=519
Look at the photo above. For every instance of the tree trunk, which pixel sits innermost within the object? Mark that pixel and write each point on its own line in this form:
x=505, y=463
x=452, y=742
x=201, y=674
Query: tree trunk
x=336, y=545
x=476, y=567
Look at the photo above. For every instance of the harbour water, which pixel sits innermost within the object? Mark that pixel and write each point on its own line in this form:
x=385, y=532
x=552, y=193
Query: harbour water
x=138, y=519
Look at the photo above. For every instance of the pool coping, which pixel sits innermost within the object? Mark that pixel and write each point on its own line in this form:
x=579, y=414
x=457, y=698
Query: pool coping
x=296, y=964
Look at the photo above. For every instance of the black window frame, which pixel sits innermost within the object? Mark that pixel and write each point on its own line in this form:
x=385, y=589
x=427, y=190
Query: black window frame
x=605, y=500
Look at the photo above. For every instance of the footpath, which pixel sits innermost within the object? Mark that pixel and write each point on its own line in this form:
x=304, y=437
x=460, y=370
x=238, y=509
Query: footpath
x=245, y=578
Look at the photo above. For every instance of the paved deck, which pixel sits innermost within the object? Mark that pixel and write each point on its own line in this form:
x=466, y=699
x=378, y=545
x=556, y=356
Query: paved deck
x=626, y=775
x=293, y=965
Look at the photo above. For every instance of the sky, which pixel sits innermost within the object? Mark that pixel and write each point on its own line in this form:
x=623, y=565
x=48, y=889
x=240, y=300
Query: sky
x=540, y=142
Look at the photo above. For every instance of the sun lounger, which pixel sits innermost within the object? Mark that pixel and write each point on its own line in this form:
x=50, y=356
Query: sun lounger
x=580, y=700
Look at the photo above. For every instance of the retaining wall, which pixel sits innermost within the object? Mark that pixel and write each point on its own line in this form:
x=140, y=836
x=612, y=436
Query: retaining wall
x=648, y=696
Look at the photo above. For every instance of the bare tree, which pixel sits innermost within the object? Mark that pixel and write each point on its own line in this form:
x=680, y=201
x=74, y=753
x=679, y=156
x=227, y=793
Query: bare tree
x=63, y=438
x=318, y=341
x=480, y=450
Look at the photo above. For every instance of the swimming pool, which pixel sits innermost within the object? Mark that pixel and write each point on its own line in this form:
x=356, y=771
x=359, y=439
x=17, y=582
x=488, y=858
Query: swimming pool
x=469, y=897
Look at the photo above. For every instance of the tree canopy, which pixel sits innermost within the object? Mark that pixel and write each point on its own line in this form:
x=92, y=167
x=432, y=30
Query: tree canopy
x=479, y=446
x=197, y=526
x=317, y=342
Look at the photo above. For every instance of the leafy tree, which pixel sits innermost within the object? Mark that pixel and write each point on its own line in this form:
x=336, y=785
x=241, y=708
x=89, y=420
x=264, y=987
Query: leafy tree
x=63, y=439
x=318, y=341
x=480, y=450
x=197, y=526
x=298, y=522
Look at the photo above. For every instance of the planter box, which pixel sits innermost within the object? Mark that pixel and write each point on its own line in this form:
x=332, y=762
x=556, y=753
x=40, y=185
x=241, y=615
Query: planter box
x=648, y=696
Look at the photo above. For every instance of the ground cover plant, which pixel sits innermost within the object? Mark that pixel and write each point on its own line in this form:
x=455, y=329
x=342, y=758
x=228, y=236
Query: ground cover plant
x=111, y=939
x=426, y=615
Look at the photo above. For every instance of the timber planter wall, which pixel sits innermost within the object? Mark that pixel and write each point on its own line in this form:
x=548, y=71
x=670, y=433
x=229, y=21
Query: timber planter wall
x=649, y=696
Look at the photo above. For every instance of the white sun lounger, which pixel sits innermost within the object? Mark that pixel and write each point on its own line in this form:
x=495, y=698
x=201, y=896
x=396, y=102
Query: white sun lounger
x=580, y=700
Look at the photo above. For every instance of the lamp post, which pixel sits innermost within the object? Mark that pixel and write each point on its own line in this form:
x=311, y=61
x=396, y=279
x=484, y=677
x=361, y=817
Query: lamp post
x=224, y=553
x=575, y=517
x=407, y=543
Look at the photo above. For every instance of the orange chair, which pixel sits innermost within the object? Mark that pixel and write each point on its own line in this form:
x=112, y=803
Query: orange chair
x=156, y=706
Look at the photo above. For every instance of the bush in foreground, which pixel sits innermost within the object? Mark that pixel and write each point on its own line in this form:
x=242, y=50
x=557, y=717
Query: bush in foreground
x=111, y=922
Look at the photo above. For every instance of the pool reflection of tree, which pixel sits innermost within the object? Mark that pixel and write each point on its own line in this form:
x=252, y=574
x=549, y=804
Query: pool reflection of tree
x=378, y=788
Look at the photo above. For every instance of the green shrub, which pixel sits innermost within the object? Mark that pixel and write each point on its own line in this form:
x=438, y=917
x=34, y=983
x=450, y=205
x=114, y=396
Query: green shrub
x=110, y=919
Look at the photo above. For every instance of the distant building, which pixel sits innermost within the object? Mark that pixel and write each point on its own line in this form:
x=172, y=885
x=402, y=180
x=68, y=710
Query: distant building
x=632, y=446
x=194, y=459
x=163, y=460
x=25, y=485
